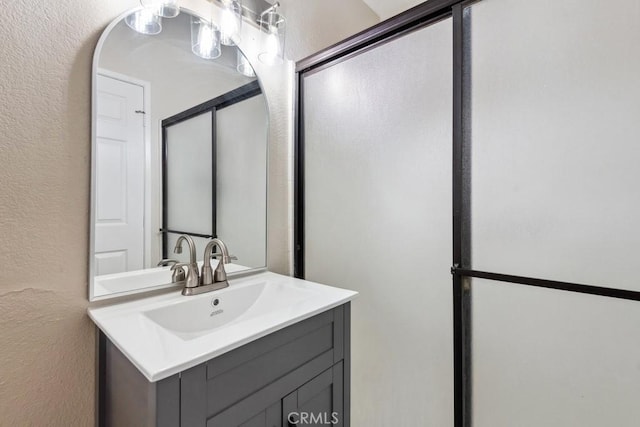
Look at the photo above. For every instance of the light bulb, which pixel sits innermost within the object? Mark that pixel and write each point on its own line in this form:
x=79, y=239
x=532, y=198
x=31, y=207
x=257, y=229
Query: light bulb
x=205, y=39
x=272, y=29
x=230, y=22
x=164, y=8
x=145, y=18
x=271, y=49
x=244, y=67
x=145, y=21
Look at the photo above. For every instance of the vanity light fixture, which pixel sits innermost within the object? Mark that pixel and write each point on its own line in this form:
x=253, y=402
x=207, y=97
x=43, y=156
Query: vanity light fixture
x=163, y=8
x=205, y=38
x=272, y=35
x=244, y=67
x=145, y=21
x=148, y=20
x=230, y=22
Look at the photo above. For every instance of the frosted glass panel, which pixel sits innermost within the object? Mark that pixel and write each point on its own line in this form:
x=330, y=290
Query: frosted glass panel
x=555, y=102
x=241, y=181
x=551, y=358
x=378, y=219
x=189, y=175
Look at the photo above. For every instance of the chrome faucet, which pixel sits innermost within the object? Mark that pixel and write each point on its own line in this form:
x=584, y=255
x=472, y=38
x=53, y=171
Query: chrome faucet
x=208, y=276
x=209, y=280
x=192, y=280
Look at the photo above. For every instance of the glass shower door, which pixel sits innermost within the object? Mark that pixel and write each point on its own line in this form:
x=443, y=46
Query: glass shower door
x=188, y=182
x=377, y=181
x=553, y=91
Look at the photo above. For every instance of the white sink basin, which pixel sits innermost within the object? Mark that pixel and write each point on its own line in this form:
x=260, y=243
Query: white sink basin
x=166, y=334
x=195, y=316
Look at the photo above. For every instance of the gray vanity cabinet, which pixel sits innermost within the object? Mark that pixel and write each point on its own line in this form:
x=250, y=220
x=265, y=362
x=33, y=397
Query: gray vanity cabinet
x=318, y=402
x=302, y=370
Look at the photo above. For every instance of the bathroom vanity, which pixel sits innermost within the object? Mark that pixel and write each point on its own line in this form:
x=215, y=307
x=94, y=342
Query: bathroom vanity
x=265, y=351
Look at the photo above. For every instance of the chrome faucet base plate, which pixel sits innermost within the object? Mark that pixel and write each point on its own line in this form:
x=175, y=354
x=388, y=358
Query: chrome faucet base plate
x=197, y=290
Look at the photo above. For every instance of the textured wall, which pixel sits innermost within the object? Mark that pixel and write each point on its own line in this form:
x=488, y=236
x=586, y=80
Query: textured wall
x=315, y=24
x=47, y=350
x=46, y=340
x=388, y=8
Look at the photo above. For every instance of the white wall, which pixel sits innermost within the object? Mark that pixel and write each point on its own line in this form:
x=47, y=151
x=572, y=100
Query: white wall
x=385, y=9
x=313, y=25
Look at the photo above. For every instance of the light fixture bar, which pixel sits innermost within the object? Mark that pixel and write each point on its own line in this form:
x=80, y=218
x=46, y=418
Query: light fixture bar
x=251, y=10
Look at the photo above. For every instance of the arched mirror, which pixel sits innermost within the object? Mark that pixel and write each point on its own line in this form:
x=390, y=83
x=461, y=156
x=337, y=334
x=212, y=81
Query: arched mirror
x=179, y=146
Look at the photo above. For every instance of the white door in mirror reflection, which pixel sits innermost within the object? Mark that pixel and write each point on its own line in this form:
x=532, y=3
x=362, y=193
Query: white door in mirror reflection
x=120, y=157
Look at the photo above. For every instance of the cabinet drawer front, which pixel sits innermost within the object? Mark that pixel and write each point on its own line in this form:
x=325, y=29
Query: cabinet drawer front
x=244, y=410
x=235, y=384
x=251, y=351
x=224, y=382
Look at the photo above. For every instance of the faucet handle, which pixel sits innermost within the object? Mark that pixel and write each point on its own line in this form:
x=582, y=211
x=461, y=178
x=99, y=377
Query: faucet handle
x=193, y=276
x=167, y=261
x=178, y=272
x=227, y=259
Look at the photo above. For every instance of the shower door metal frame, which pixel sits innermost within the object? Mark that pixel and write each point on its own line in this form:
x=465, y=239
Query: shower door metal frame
x=417, y=17
x=212, y=106
x=461, y=268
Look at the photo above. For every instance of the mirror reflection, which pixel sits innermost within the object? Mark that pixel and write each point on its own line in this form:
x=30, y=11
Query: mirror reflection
x=180, y=146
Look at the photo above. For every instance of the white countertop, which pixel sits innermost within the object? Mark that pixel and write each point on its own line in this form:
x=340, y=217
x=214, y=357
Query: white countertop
x=160, y=352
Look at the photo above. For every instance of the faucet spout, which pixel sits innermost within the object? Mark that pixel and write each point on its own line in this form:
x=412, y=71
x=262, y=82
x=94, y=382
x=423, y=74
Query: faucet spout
x=208, y=276
x=192, y=247
x=192, y=279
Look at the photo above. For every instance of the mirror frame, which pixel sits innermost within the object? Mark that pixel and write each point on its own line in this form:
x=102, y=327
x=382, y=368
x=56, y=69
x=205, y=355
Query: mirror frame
x=95, y=69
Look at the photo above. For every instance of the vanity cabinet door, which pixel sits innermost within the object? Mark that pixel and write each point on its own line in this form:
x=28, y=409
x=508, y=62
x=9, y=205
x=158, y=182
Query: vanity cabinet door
x=320, y=402
x=270, y=417
x=249, y=414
